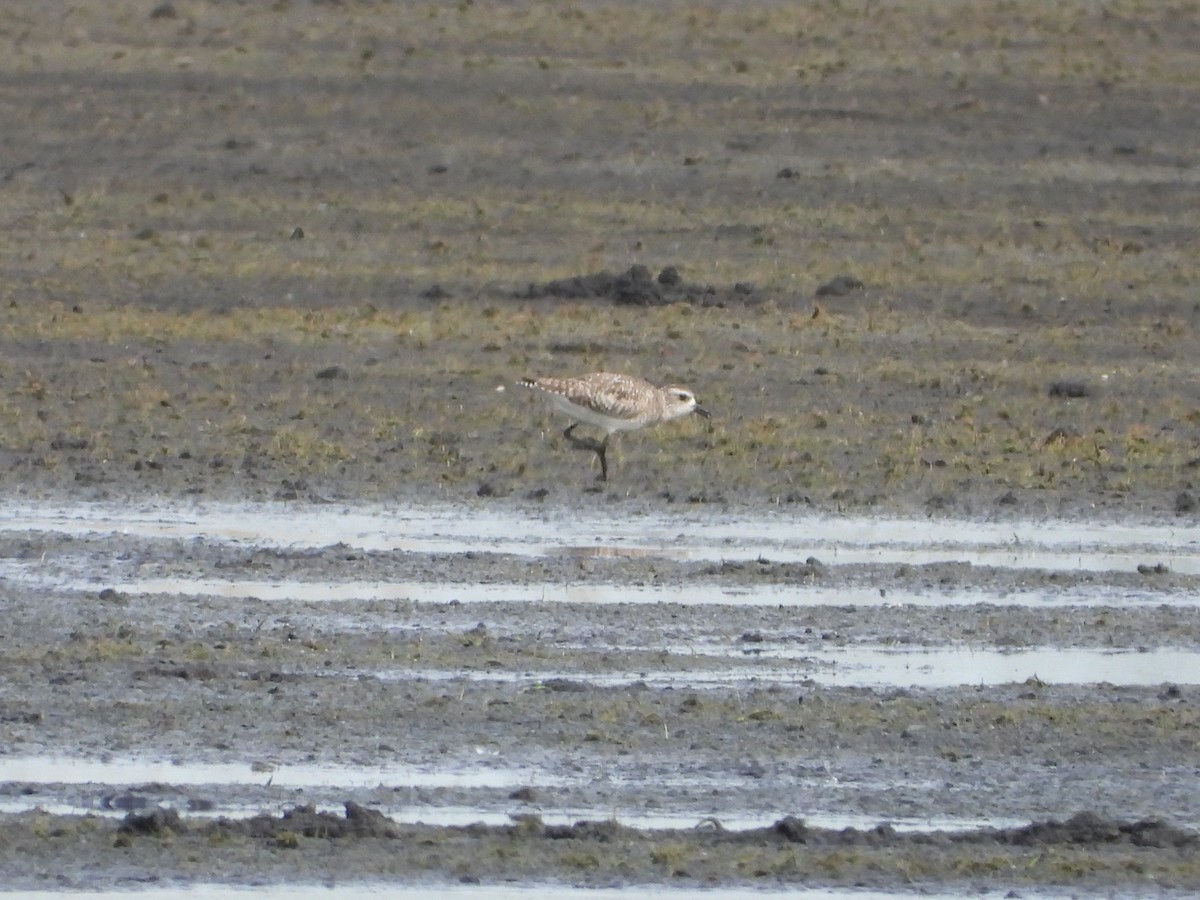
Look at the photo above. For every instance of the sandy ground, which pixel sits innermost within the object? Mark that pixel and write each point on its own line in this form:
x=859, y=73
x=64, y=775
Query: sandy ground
x=928, y=265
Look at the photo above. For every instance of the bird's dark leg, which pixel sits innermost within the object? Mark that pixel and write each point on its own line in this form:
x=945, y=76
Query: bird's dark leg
x=603, y=462
x=587, y=443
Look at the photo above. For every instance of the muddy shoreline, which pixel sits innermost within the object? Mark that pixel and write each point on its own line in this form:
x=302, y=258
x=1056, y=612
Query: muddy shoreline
x=686, y=732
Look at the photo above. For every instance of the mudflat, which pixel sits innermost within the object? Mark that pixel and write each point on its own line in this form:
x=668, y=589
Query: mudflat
x=928, y=263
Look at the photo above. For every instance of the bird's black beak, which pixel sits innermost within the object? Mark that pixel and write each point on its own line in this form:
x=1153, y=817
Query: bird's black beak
x=701, y=411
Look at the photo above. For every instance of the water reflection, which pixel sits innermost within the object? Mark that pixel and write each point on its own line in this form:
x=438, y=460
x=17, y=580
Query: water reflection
x=875, y=666
x=500, y=892
x=72, y=770
x=461, y=816
x=1088, y=546
x=35, y=574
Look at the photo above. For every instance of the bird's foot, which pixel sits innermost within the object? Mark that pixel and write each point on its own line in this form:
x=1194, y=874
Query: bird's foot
x=583, y=443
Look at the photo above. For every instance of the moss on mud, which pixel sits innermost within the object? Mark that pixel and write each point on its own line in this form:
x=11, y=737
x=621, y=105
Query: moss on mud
x=268, y=310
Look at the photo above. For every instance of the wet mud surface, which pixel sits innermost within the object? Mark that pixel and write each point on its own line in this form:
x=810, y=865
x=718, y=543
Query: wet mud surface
x=291, y=709
x=296, y=589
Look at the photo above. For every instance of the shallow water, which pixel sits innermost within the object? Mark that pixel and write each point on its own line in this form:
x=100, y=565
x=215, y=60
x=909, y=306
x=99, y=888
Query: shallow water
x=469, y=815
x=55, y=770
x=1078, y=546
x=701, y=651
x=863, y=665
x=875, y=666
x=34, y=574
x=1052, y=546
x=499, y=892
x=942, y=667
x=113, y=787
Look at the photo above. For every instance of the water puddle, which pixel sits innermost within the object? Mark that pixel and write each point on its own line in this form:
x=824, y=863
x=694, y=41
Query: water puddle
x=941, y=667
x=774, y=595
x=462, y=816
x=1072, y=546
x=114, y=787
x=66, y=784
x=324, y=891
x=877, y=667
x=35, y=575
x=147, y=775
x=69, y=770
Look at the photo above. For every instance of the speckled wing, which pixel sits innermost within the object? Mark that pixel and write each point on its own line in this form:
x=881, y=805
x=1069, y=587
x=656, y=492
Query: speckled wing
x=617, y=396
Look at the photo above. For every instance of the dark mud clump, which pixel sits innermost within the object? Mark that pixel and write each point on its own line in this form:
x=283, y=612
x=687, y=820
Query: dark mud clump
x=1090, y=829
x=1084, y=830
x=637, y=287
x=156, y=823
x=359, y=822
x=1088, y=849
x=840, y=286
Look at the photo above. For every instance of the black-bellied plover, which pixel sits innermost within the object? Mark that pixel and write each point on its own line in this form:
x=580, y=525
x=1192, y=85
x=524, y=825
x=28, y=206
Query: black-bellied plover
x=613, y=403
